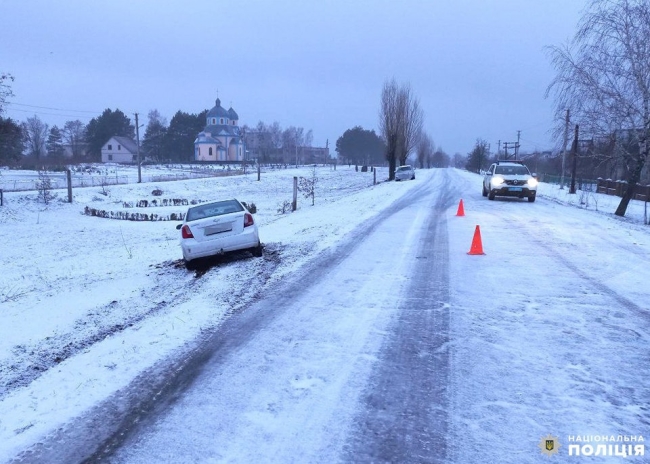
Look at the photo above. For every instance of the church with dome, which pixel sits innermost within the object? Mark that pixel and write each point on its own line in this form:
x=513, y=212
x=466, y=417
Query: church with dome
x=221, y=140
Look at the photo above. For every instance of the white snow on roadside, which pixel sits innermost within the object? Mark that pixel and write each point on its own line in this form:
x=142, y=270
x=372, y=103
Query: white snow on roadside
x=66, y=276
x=547, y=301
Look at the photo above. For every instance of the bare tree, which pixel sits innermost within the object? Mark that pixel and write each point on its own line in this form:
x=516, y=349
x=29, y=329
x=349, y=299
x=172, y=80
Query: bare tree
x=73, y=136
x=35, y=132
x=412, y=123
x=389, y=123
x=425, y=150
x=5, y=89
x=478, y=157
x=400, y=123
x=307, y=185
x=603, y=77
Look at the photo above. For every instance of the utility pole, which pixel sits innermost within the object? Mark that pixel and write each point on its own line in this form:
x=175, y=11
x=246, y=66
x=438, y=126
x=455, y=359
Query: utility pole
x=574, y=152
x=512, y=145
x=499, y=150
x=566, y=140
x=137, y=135
x=517, y=144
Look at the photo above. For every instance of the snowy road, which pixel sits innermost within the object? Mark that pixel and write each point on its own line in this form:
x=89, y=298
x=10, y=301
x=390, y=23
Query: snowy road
x=285, y=378
x=395, y=345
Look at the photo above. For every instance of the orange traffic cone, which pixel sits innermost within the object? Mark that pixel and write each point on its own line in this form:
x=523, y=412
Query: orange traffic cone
x=477, y=246
x=461, y=210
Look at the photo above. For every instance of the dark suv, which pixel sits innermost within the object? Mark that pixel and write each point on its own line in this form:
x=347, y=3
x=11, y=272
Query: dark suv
x=509, y=178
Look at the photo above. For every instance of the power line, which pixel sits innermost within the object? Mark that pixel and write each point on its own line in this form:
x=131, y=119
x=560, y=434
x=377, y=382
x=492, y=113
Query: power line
x=50, y=114
x=53, y=109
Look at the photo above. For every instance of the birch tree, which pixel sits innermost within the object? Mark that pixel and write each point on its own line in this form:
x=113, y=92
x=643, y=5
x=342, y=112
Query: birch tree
x=603, y=78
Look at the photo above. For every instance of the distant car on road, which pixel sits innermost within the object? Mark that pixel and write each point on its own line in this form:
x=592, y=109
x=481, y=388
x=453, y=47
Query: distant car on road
x=405, y=172
x=216, y=228
x=509, y=178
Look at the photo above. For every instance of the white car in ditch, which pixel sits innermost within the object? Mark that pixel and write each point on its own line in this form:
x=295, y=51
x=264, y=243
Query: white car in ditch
x=216, y=228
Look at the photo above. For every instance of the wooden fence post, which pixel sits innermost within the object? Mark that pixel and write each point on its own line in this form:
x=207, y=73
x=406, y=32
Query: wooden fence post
x=1, y=199
x=69, y=177
x=294, y=203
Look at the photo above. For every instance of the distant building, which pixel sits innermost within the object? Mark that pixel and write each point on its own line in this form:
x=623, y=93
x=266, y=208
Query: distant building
x=120, y=150
x=69, y=150
x=221, y=140
x=259, y=147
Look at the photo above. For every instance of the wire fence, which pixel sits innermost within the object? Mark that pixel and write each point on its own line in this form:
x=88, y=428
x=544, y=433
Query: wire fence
x=59, y=181
x=586, y=185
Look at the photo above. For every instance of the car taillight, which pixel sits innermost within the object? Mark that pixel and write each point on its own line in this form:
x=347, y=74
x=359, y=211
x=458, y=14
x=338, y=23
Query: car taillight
x=186, y=232
x=248, y=220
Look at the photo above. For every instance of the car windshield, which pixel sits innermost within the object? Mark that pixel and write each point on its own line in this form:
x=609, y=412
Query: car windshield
x=512, y=170
x=404, y=168
x=213, y=209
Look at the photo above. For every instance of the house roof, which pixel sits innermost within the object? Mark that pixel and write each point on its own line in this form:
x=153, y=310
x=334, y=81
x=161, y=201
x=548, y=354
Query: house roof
x=126, y=142
x=223, y=129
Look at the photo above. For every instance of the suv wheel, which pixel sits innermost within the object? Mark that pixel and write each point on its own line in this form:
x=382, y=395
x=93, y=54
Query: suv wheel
x=491, y=195
x=531, y=198
x=484, y=191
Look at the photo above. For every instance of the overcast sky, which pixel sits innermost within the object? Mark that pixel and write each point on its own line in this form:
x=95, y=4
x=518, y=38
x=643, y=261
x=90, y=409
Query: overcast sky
x=478, y=67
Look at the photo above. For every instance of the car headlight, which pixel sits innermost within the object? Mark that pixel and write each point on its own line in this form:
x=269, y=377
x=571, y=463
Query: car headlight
x=497, y=181
x=532, y=182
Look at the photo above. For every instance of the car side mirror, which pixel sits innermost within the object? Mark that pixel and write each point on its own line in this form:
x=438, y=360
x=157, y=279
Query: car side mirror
x=534, y=174
x=178, y=226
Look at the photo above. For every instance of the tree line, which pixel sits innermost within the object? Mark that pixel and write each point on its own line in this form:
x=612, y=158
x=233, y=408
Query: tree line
x=161, y=141
x=400, y=135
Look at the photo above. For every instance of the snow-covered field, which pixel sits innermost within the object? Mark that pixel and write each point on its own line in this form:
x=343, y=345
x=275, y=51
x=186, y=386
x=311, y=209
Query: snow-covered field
x=87, y=304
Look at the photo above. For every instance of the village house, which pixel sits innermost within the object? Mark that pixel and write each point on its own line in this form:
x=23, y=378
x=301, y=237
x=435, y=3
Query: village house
x=120, y=150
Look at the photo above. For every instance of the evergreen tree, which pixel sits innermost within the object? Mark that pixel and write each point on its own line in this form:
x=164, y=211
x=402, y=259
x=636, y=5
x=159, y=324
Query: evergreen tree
x=360, y=146
x=153, y=142
x=181, y=133
x=54, y=144
x=11, y=140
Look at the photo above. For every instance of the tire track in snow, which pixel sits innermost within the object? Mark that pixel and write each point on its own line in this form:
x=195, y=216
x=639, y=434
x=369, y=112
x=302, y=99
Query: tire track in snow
x=405, y=410
x=97, y=435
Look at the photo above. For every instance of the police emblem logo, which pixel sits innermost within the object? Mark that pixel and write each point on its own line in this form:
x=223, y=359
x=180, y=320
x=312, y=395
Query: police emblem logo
x=549, y=445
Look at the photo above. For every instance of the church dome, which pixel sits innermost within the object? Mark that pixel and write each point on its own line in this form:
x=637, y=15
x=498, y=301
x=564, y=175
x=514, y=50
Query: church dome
x=232, y=114
x=218, y=111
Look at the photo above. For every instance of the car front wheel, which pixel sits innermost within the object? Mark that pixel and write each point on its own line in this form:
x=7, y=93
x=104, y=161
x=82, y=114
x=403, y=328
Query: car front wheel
x=484, y=191
x=531, y=198
x=491, y=195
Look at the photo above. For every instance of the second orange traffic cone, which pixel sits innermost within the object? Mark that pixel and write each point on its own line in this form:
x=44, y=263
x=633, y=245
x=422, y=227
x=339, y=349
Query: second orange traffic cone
x=461, y=209
x=477, y=245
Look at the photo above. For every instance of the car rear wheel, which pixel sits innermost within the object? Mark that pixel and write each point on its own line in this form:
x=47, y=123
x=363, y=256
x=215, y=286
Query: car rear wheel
x=257, y=251
x=190, y=265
